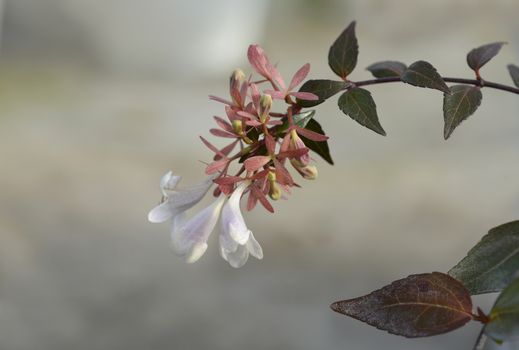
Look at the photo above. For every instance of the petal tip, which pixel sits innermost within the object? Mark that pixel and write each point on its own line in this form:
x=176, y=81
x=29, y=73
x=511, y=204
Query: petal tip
x=195, y=253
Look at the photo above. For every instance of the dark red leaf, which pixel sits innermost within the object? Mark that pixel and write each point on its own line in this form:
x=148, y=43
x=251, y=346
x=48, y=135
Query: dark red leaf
x=387, y=69
x=416, y=306
x=321, y=148
x=477, y=57
x=423, y=74
x=342, y=57
x=322, y=88
x=514, y=73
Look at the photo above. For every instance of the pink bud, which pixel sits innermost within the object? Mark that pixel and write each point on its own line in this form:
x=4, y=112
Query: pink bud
x=235, y=85
x=297, y=144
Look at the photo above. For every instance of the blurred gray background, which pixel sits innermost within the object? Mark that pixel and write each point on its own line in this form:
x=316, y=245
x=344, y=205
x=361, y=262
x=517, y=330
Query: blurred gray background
x=99, y=98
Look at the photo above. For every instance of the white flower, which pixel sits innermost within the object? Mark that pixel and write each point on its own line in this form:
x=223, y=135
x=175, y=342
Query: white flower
x=236, y=240
x=239, y=256
x=189, y=237
x=176, y=201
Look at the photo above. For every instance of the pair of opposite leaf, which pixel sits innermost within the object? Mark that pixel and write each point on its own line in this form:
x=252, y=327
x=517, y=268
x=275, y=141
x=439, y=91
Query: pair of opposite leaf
x=459, y=102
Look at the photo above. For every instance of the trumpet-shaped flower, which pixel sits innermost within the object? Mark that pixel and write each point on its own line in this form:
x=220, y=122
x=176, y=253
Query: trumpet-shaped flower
x=240, y=255
x=189, y=237
x=236, y=240
x=176, y=201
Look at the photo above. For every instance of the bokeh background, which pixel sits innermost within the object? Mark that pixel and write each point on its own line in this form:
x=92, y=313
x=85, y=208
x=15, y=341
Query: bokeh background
x=99, y=98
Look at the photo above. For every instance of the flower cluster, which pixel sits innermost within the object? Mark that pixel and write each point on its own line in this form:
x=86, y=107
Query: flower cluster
x=262, y=142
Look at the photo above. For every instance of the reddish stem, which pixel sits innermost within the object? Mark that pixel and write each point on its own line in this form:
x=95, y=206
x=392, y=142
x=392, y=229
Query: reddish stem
x=475, y=82
x=481, y=316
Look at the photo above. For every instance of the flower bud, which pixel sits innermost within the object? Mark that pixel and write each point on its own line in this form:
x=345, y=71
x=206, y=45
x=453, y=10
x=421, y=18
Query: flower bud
x=265, y=104
x=237, y=78
x=235, y=83
x=271, y=176
x=309, y=172
x=295, y=144
x=237, y=126
x=274, y=191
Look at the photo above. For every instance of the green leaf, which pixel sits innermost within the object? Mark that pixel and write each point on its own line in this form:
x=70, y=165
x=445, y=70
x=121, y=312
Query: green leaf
x=504, y=316
x=321, y=148
x=462, y=102
x=323, y=88
x=423, y=74
x=514, y=73
x=492, y=263
x=342, y=57
x=300, y=120
x=303, y=118
x=387, y=69
x=416, y=306
x=359, y=105
x=477, y=57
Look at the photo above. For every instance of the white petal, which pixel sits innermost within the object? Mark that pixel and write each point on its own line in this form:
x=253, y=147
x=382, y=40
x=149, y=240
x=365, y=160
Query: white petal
x=168, y=182
x=195, y=252
x=178, y=244
x=254, y=247
x=160, y=213
x=177, y=201
x=186, y=235
x=183, y=199
x=233, y=224
x=227, y=244
x=239, y=257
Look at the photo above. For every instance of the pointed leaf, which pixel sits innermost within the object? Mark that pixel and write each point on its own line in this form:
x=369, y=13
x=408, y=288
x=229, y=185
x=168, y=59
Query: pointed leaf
x=387, y=69
x=303, y=118
x=343, y=54
x=359, y=105
x=323, y=88
x=514, y=73
x=491, y=264
x=321, y=148
x=477, y=57
x=423, y=74
x=416, y=306
x=300, y=119
x=461, y=103
x=504, y=316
